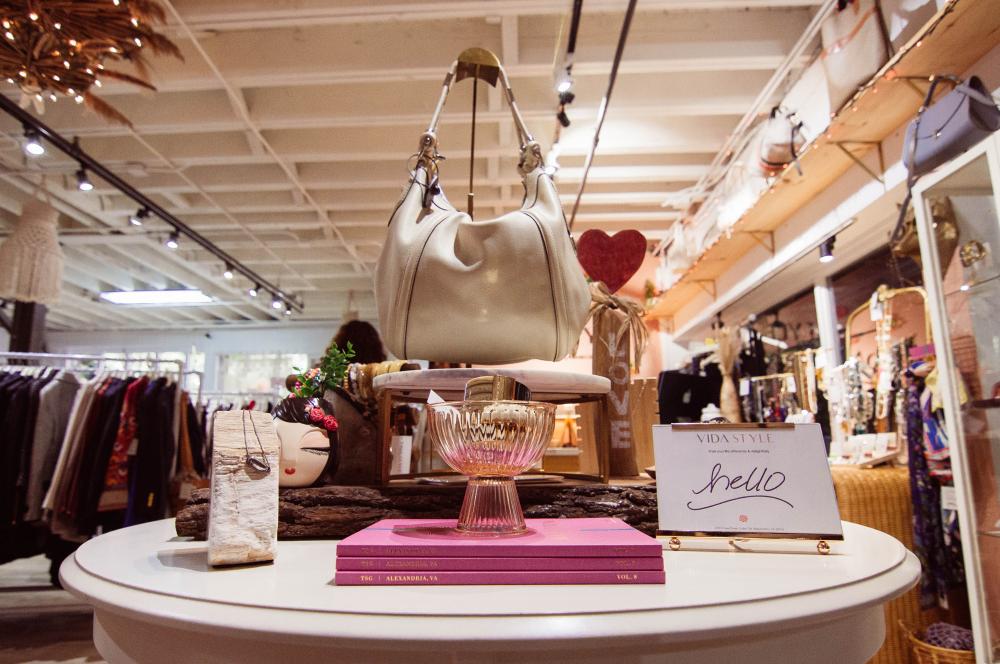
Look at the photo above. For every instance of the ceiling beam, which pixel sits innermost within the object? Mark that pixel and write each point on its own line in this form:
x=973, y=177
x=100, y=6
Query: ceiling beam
x=261, y=15
x=236, y=97
x=673, y=108
x=731, y=62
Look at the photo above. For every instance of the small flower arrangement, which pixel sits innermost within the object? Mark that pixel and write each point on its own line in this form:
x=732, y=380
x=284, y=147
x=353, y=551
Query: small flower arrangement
x=329, y=374
x=322, y=419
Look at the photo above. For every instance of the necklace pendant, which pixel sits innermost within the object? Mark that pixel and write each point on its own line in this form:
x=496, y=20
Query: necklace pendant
x=258, y=464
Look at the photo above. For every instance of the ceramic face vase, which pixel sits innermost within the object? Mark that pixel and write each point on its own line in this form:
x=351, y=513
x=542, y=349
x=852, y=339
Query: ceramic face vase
x=308, y=447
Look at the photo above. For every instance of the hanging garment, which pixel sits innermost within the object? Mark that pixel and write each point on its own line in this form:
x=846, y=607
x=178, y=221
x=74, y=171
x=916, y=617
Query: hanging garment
x=54, y=409
x=115, y=493
x=940, y=555
x=682, y=396
x=151, y=465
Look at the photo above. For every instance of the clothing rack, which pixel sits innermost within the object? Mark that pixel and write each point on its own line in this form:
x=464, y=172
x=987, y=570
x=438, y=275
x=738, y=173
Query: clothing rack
x=258, y=397
x=48, y=359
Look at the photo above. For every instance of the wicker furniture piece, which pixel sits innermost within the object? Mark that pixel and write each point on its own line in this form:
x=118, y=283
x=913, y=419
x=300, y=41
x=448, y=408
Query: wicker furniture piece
x=880, y=498
x=925, y=653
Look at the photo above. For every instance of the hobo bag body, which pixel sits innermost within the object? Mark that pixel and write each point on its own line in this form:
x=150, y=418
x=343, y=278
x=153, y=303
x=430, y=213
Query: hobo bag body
x=491, y=291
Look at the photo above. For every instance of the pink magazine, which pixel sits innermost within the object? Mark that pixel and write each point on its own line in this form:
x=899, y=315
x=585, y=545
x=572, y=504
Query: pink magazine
x=603, y=537
x=489, y=564
x=494, y=578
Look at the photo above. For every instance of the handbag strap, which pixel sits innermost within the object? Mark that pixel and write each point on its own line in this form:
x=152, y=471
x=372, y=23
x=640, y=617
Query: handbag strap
x=531, y=151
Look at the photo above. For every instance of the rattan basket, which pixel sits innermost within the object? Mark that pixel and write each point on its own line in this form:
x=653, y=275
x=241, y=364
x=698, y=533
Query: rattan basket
x=925, y=653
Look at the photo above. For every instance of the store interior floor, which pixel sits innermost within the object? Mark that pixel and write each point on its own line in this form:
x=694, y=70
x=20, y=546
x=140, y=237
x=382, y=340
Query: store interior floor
x=39, y=623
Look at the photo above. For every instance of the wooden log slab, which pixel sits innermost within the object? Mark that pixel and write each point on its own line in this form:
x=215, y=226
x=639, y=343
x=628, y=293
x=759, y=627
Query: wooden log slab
x=334, y=512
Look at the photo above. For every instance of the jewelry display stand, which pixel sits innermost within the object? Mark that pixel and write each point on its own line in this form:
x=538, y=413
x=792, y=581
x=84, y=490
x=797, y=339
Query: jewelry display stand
x=558, y=387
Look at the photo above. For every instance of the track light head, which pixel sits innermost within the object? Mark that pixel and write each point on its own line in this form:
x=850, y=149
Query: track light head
x=562, y=117
x=564, y=81
x=173, y=241
x=139, y=217
x=276, y=303
x=826, y=249
x=83, y=182
x=253, y=290
x=33, y=142
x=227, y=274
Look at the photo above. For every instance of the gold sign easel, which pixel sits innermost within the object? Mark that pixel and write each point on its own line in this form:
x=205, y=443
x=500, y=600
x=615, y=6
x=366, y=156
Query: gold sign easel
x=749, y=542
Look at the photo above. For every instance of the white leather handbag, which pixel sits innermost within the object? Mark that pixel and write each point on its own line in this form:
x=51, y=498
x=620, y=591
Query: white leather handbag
x=484, y=291
x=854, y=47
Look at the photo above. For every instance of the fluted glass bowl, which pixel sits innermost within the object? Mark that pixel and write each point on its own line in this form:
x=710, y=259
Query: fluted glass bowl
x=491, y=442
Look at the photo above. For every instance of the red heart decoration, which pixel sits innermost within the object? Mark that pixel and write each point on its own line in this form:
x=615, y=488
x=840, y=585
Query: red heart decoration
x=612, y=259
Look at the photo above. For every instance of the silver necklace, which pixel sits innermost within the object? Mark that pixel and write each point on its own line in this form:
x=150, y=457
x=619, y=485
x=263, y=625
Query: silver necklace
x=258, y=463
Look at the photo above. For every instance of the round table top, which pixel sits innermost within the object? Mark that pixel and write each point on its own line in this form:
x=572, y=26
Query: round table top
x=146, y=572
x=450, y=383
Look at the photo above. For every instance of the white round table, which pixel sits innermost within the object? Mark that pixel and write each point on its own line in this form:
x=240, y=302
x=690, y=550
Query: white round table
x=157, y=601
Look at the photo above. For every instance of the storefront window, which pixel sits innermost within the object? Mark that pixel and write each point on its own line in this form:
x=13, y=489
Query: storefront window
x=258, y=372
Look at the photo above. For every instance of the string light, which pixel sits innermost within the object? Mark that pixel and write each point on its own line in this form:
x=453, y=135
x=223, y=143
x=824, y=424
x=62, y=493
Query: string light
x=33, y=16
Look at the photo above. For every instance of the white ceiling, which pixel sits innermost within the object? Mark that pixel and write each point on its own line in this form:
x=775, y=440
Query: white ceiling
x=283, y=136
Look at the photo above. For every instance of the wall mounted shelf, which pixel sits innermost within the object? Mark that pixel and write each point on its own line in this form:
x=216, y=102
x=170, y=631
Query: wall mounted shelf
x=951, y=42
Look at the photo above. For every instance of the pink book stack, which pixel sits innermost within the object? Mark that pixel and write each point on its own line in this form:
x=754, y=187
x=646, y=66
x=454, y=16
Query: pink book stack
x=421, y=552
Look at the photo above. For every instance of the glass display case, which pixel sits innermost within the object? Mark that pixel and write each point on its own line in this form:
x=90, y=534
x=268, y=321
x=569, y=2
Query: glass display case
x=963, y=284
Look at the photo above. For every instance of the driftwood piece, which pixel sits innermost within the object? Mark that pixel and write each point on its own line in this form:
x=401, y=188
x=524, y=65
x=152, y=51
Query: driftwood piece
x=334, y=512
x=245, y=512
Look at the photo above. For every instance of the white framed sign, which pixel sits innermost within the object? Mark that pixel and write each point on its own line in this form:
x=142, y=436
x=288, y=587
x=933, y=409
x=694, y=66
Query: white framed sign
x=745, y=480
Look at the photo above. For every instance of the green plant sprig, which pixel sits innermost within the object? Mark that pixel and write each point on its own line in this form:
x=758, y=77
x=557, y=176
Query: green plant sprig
x=329, y=374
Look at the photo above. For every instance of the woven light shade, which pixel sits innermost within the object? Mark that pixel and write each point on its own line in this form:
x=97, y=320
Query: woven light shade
x=31, y=260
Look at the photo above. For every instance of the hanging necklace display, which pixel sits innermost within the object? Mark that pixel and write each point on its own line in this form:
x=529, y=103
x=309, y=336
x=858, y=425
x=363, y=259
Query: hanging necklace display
x=258, y=463
x=243, y=509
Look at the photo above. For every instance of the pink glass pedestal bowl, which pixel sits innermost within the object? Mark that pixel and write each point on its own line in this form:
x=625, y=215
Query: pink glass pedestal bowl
x=491, y=442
